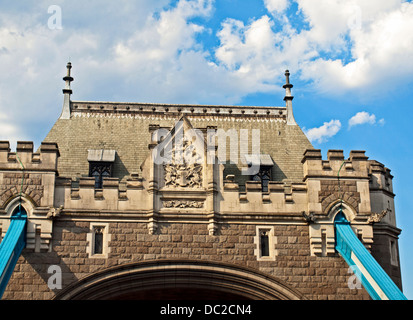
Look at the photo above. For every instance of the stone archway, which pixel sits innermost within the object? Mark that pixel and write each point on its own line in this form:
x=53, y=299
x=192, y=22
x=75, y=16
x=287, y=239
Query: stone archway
x=179, y=279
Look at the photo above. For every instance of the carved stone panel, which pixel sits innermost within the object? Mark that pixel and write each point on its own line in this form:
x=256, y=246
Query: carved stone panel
x=184, y=169
x=183, y=204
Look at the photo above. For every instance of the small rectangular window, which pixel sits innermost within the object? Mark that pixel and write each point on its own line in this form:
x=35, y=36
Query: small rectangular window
x=393, y=253
x=100, y=170
x=37, y=239
x=265, y=243
x=323, y=243
x=101, y=165
x=98, y=240
x=263, y=176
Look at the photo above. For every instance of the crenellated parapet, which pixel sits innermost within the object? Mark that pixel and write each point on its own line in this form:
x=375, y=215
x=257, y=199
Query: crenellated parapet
x=27, y=179
x=112, y=196
x=282, y=198
x=337, y=179
x=380, y=177
x=355, y=167
x=44, y=160
x=350, y=184
x=27, y=172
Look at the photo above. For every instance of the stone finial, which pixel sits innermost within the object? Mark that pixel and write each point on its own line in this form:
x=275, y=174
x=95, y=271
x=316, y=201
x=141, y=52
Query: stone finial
x=288, y=99
x=67, y=91
x=68, y=79
x=287, y=86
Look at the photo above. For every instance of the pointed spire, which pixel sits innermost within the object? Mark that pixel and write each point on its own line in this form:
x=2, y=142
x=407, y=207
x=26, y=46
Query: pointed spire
x=288, y=99
x=67, y=91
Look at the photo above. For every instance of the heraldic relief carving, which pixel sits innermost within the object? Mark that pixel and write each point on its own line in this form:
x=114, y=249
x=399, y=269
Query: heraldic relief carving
x=183, y=204
x=185, y=168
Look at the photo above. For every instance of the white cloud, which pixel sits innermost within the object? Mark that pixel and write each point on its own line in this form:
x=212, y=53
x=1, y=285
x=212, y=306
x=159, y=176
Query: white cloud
x=149, y=50
x=153, y=51
x=276, y=6
x=323, y=133
x=153, y=57
x=379, y=45
x=348, y=45
x=364, y=117
x=162, y=37
x=163, y=60
x=249, y=51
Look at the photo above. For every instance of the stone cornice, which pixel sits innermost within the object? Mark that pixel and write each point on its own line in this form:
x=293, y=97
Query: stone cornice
x=123, y=108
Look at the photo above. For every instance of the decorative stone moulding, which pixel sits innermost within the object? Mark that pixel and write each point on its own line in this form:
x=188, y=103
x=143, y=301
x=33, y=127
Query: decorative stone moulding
x=322, y=232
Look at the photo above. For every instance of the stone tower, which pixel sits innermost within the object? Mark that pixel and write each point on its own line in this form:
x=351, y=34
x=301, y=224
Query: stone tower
x=139, y=200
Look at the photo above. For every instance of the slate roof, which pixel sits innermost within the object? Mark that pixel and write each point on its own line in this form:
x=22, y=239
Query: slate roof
x=125, y=128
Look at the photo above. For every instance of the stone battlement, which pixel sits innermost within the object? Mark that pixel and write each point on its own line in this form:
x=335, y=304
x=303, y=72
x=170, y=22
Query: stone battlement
x=45, y=160
x=113, y=195
x=274, y=187
x=31, y=173
x=282, y=197
x=356, y=166
x=27, y=178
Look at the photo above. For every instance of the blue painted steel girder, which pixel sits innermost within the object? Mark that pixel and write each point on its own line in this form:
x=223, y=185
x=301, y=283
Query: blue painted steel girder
x=11, y=247
x=372, y=276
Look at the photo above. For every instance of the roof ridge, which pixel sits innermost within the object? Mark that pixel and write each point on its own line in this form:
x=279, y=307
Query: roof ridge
x=157, y=108
x=171, y=104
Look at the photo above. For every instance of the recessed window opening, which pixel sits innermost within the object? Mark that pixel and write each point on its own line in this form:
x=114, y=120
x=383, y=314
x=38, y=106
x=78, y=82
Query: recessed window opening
x=37, y=240
x=393, y=253
x=101, y=165
x=265, y=243
x=263, y=176
x=98, y=240
x=100, y=170
x=323, y=243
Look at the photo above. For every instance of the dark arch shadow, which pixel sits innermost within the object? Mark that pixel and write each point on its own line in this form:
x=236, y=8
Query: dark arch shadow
x=169, y=279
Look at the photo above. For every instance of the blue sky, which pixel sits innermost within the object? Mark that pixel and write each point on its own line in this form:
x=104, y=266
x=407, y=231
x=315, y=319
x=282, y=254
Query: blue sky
x=350, y=63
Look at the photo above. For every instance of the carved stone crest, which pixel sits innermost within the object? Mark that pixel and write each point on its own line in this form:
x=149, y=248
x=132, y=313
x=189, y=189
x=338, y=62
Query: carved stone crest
x=185, y=169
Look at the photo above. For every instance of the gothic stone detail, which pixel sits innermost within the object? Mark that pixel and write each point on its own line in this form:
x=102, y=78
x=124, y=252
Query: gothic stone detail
x=322, y=240
x=54, y=212
x=377, y=217
x=331, y=192
x=32, y=187
x=183, y=204
x=203, y=217
x=185, y=169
